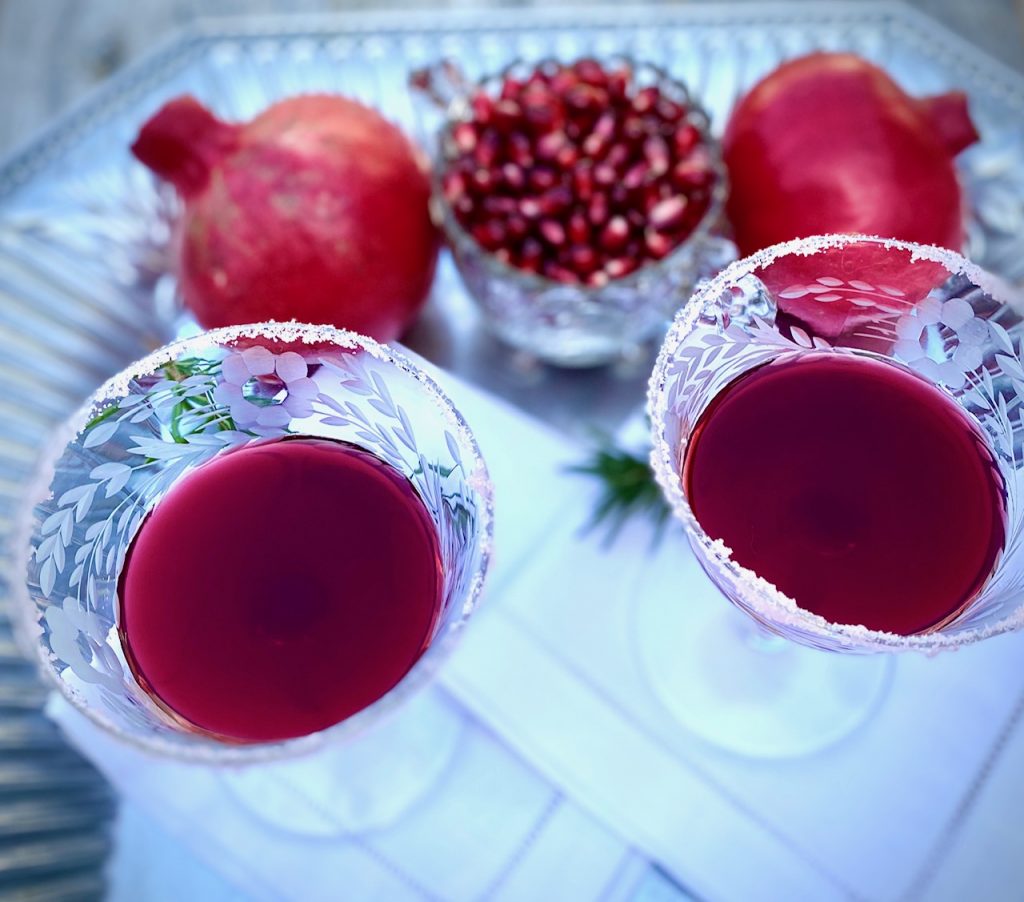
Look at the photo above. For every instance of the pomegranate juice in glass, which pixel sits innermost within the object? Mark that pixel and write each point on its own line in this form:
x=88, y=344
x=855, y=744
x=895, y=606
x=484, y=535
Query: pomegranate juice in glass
x=886, y=507
x=292, y=540
x=254, y=541
x=836, y=423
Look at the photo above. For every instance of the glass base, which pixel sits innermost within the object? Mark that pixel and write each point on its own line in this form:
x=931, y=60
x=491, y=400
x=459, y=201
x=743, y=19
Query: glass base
x=749, y=692
x=365, y=784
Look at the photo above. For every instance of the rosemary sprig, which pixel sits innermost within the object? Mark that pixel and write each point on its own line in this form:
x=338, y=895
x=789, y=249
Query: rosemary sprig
x=178, y=371
x=104, y=414
x=629, y=489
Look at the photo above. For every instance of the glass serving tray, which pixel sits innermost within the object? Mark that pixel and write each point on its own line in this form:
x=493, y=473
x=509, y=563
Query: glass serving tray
x=84, y=270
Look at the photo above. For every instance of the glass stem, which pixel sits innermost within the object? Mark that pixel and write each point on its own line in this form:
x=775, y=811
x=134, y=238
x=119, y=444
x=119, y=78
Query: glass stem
x=756, y=637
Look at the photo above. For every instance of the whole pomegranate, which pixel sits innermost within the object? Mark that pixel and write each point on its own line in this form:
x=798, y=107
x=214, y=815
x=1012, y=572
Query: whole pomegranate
x=316, y=210
x=829, y=143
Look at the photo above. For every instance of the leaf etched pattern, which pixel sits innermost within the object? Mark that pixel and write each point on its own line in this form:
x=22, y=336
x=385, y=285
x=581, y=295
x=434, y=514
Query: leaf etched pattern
x=173, y=421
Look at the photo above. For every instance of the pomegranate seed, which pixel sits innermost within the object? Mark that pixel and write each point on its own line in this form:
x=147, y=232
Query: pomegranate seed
x=567, y=156
x=507, y=114
x=605, y=174
x=617, y=157
x=636, y=175
x=482, y=107
x=504, y=255
x=691, y=173
x=490, y=235
x=619, y=267
x=583, y=181
x=668, y=110
x=583, y=259
x=513, y=176
x=595, y=146
x=658, y=245
x=597, y=210
x=599, y=100
x=598, y=142
x=560, y=273
x=499, y=206
x=605, y=126
x=582, y=97
x=530, y=207
x=520, y=150
x=651, y=197
x=618, y=83
x=563, y=81
x=597, y=279
x=511, y=88
x=483, y=179
x=657, y=154
x=633, y=128
x=548, y=145
x=615, y=234
x=518, y=228
x=542, y=178
x=487, y=149
x=532, y=254
x=552, y=232
x=555, y=201
x=464, y=207
x=618, y=197
x=579, y=228
x=464, y=136
x=646, y=99
x=454, y=186
x=684, y=139
x=540, y=109
x=591, y=72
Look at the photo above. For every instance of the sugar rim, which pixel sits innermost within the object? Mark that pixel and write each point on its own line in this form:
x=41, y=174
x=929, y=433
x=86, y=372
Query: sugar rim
x=198, y=748
x=762, y=597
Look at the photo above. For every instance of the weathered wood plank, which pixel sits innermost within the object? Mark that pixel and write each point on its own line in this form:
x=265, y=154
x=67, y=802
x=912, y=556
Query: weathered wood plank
x=53, y=51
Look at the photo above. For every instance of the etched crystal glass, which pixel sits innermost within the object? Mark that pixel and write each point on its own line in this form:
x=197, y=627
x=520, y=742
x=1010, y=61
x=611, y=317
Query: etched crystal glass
x=923, y=309
x=153, y=423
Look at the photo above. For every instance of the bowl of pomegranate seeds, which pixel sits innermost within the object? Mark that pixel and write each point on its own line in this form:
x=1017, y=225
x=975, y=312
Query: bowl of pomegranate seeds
x=579, y=201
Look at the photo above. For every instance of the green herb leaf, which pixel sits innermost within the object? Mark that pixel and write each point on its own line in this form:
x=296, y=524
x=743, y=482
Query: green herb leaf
x=629, y=489
x=104, y=414
x=179, y=370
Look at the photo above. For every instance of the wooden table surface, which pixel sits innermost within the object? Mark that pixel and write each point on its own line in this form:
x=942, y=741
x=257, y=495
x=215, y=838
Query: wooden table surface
x=53, y=51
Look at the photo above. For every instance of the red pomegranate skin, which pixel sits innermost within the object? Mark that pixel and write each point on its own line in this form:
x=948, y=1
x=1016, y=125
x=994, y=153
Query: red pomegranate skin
x=316, y=210
x=829, y=143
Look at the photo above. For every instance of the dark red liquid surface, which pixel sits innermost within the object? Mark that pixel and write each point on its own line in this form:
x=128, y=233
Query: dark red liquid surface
x=280, y=588
x=859, y=490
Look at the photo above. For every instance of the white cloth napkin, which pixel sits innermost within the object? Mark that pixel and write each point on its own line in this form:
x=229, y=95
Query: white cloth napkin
x=489, y=828
x=549, y=670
